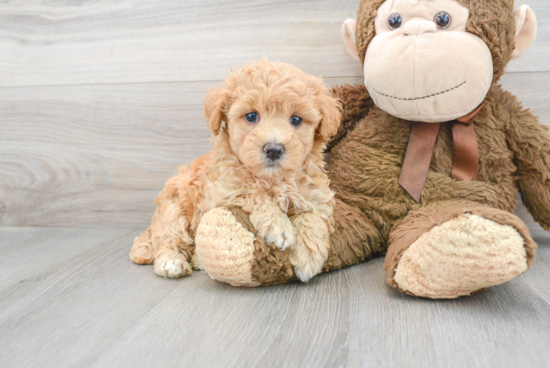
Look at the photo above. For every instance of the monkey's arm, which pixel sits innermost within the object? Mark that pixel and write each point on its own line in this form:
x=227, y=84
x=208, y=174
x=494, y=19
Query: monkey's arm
x=530, y=143
x=356, y=103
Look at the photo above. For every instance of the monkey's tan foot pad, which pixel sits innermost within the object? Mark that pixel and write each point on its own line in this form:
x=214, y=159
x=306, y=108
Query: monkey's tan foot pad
x=230, y=250
x=461, y=256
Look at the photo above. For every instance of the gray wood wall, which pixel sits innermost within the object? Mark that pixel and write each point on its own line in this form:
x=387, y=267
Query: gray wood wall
x=100, y=101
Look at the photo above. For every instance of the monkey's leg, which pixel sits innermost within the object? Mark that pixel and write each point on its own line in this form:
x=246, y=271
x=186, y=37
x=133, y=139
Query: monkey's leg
x=230, y=250
x=452, y=249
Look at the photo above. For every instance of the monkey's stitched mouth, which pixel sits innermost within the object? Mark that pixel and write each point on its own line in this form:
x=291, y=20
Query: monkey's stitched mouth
x=421, y=98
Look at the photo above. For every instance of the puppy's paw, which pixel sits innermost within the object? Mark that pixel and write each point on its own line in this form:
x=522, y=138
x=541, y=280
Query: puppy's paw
x=275, y=228
x=172, y=267
x=282, y=238
x=308, y=259
x=281, y=234
x=306, y=270
x=305, y=274
x=195, y=263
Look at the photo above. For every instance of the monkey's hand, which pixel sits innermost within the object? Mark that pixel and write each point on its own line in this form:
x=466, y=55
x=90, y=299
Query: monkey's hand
x=531, y=145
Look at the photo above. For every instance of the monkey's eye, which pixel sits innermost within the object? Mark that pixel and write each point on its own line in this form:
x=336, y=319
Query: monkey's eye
x=296, y=121
x=395, y=21
x=252, y=117
x=443, y=20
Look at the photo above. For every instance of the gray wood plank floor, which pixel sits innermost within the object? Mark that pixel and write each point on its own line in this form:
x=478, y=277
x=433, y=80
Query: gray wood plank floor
x=72, y=298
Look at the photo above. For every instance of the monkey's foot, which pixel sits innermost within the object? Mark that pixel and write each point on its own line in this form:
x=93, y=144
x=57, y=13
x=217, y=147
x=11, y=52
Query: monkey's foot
x=461, y=256
x=231, y=251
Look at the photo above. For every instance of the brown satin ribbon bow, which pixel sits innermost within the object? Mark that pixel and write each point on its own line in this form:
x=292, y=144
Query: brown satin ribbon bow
x=420, y=150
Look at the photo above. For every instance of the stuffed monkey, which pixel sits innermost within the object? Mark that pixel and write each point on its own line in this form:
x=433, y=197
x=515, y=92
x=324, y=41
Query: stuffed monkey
x=428, y=159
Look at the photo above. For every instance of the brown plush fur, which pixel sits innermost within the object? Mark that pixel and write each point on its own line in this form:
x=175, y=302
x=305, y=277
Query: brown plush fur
x=364, y=167
x=492, y=21
x=514, y=152
x=271, y=266
x=356, y=104
x=289, y=202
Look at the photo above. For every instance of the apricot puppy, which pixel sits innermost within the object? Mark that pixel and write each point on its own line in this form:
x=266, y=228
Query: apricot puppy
x=271, y=123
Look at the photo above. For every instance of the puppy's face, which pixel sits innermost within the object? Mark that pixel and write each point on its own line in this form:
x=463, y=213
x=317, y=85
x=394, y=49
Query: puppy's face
x=274, y=134
x=276, y=116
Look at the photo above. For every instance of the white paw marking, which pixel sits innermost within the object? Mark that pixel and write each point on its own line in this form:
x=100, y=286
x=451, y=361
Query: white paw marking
x=282, y=240
x=305, y=272
x=275, y=228
x=304, y=275
x=174, y=268
x=195, y=263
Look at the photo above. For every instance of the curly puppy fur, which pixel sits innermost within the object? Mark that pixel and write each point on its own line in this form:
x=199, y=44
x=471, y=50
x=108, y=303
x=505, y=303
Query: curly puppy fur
x=288, y=200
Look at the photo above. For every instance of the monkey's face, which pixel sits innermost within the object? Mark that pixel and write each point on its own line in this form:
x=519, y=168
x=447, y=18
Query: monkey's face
x=422, y=65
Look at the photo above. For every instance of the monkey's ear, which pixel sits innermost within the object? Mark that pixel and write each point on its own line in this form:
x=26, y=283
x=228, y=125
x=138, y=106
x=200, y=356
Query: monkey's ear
x=526, y=30
x=348, y=34
x=214, y=104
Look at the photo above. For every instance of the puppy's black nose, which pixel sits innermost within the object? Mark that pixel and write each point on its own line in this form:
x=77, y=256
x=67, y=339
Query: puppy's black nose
x=274, y=151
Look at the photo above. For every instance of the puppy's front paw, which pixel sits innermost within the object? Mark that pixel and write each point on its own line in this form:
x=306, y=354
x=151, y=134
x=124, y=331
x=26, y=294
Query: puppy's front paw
x=282, y=238
x=172, y=267
x=196, y=264
x=305, y=274
x=308, y=267
x=274, y=228
x=308, y=256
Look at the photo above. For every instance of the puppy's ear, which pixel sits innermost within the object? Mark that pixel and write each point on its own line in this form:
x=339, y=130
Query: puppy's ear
x=214, y=106
x=331, y=112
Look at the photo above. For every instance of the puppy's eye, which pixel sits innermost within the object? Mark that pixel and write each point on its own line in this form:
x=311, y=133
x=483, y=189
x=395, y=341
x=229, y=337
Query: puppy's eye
x=395, y=21
x=296, y=121
x=252, y=117
x=443, y=20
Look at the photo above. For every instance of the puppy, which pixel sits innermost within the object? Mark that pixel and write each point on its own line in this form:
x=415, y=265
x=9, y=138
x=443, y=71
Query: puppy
x=271, y=123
